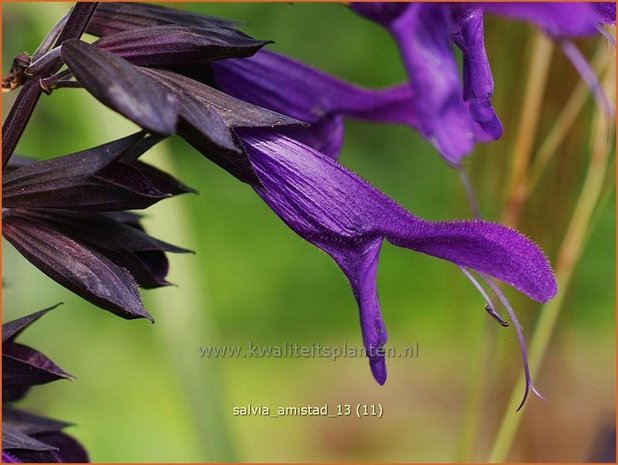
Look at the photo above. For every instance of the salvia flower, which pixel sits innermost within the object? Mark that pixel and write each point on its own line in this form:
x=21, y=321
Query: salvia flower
x=343, y=215
x=27, y=437
x=454, y=115
x=172, y=73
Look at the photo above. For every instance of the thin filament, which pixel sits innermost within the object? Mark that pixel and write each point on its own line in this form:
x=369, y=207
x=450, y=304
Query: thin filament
x=500, y=295
x=472, y=201
x=605, y=33
x=587, y=74
x=489, y=305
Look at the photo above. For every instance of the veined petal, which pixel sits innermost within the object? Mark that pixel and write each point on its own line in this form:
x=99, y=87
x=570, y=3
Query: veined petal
x=12, y=329
x=173, y=44
x=75, y=266
x=104, y=178
x=337, y=211
x=119, y=237
x=113, y=17
x=23, y=366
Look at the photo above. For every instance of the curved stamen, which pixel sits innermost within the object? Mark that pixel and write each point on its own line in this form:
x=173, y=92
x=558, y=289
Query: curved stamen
x=520, y=340
x=501, y=297
x=489, y=305
x=467, y=184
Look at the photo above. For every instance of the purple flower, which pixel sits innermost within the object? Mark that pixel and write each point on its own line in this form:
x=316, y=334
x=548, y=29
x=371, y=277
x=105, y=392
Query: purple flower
x=453, y=116
x=347, y=218
x=246, y=114
x=27, y=437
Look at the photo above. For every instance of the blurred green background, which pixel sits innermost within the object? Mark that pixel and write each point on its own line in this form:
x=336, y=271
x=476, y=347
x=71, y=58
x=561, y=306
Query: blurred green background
x=144, y=394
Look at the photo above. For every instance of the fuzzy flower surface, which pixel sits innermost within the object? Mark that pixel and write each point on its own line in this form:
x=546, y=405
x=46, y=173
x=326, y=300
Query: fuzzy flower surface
x=149, y=67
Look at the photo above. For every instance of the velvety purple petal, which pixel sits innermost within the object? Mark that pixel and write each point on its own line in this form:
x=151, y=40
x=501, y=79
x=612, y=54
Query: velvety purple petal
x=606, y=12
x=558, y=19
x=23, y=367
x=12, y=329
x=345, y=216
x=75, y=266
x=423, y=38
x=173, y=44
x=466, y=30
x=421, y=31
x=287, y=86
x=113, y=17
x=325, y=135
x=104, y=178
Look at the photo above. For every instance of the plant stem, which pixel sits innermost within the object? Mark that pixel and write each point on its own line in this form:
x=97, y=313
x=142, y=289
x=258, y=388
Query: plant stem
x=21, y=111
x=564, y=122
x=18, y=117
x=538, y=70
x=568, y=256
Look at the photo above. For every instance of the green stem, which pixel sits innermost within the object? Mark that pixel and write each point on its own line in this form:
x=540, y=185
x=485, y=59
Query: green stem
x=538, y=70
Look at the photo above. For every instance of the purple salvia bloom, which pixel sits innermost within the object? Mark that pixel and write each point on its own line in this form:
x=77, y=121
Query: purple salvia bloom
x=347, y=218
x=287, y=86
x=422, y=32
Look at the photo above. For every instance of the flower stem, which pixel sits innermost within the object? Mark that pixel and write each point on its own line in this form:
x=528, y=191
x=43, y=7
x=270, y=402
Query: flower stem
x=21, y=111
x=568, y=256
